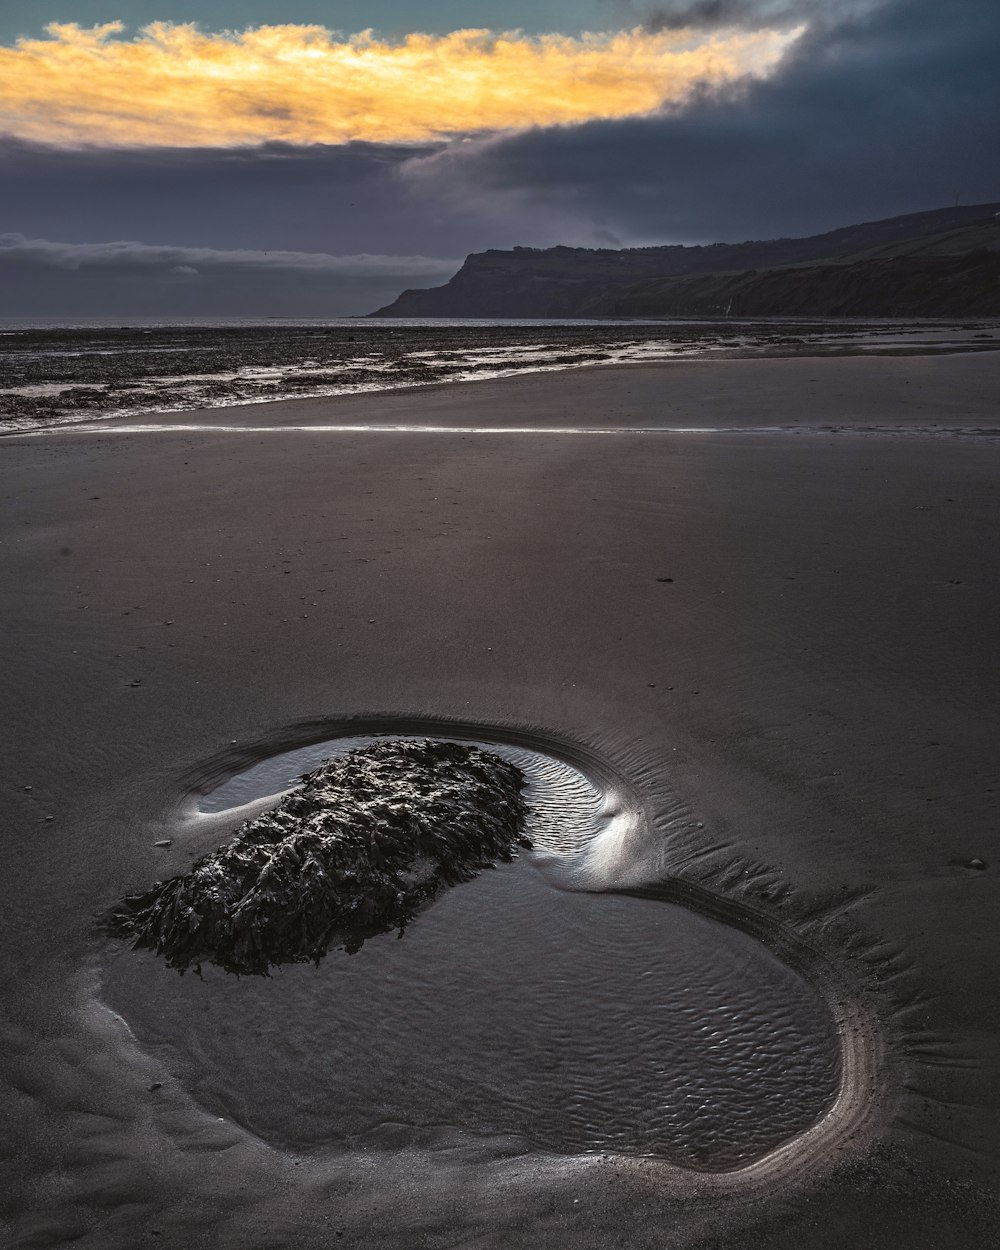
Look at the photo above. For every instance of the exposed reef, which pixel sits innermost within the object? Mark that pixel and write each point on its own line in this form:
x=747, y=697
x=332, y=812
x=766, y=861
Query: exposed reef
x=358, y=850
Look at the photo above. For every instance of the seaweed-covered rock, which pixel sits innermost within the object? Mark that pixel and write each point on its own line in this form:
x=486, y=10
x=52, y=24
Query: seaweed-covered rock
x=367, y=841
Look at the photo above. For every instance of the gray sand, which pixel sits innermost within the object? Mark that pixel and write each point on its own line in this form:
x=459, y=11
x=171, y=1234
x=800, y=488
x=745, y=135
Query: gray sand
x=808, y=708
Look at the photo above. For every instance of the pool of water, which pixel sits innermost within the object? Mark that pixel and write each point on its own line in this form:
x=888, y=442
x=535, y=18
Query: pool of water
x=569, y=1020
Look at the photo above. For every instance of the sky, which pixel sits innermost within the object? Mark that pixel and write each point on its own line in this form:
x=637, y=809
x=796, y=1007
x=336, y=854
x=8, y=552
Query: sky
x=388, y=17
x=161, y=158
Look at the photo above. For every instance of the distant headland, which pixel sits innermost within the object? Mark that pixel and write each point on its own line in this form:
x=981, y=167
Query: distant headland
x=942, y=263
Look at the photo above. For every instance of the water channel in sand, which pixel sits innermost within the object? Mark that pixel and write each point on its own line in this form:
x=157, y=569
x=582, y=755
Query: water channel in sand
x=570, y=1021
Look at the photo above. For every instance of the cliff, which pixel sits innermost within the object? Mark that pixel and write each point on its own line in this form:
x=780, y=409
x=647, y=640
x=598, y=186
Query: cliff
x=944, y=263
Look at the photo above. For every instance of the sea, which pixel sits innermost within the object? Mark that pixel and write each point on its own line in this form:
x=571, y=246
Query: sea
x=56, y=373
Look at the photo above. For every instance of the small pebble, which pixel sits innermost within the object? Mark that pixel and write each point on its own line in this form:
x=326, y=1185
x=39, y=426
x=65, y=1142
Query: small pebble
x=164, y=842
x=155, y=1086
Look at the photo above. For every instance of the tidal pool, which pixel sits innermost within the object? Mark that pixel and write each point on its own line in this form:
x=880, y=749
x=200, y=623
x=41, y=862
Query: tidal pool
x=569, y=1021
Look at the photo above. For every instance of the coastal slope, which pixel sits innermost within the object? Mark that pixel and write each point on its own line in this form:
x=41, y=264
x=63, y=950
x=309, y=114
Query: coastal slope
x=944, y=263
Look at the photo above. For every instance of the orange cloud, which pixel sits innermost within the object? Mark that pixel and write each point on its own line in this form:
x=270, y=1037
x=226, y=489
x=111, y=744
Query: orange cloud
x=176, y=86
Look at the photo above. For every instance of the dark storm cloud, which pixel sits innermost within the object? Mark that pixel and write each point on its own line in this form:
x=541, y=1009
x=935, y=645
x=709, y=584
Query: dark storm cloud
x=887, y=110
x=128, y=255
x=43, y=277
x=329, y=199
x=341, y=200
x=707, y=14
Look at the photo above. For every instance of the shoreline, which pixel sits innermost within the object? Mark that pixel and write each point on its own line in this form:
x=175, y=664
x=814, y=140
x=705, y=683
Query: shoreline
x=850, y=372
x=962, y=346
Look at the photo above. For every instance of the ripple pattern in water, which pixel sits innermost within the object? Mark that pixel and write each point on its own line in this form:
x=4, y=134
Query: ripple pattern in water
x=578, y=1022
x=572, y=1021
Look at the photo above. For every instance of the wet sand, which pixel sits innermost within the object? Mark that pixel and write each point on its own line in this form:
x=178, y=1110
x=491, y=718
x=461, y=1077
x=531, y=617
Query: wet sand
x=783, y=638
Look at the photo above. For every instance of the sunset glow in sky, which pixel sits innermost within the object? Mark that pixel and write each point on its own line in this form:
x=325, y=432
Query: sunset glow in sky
x=178, y=86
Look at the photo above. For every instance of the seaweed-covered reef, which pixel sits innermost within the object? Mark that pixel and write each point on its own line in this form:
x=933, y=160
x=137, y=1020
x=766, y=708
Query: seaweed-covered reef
x=358, y=850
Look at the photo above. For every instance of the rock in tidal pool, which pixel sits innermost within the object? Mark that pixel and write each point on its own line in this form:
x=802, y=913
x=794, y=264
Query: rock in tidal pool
x=366, y=842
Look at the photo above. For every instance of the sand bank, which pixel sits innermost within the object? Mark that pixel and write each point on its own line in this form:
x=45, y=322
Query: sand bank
x=784, y=639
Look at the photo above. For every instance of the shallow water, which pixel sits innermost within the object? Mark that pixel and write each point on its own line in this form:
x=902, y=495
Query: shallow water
x=78, y=373
x=569, y=1021
x=574, y=1022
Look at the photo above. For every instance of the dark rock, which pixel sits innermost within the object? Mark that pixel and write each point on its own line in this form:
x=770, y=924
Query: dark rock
x=363, y=846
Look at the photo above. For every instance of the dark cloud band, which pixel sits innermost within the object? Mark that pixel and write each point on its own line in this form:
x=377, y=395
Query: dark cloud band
x=42, y=277
x=888, y=110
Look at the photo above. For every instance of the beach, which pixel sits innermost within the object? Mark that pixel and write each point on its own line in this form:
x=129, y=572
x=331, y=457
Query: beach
x=761, y=592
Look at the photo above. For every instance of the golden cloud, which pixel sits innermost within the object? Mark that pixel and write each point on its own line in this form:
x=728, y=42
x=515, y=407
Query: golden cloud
x=174, y=85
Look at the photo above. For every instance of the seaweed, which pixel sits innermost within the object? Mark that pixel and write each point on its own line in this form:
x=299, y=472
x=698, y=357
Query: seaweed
x=365, y=843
